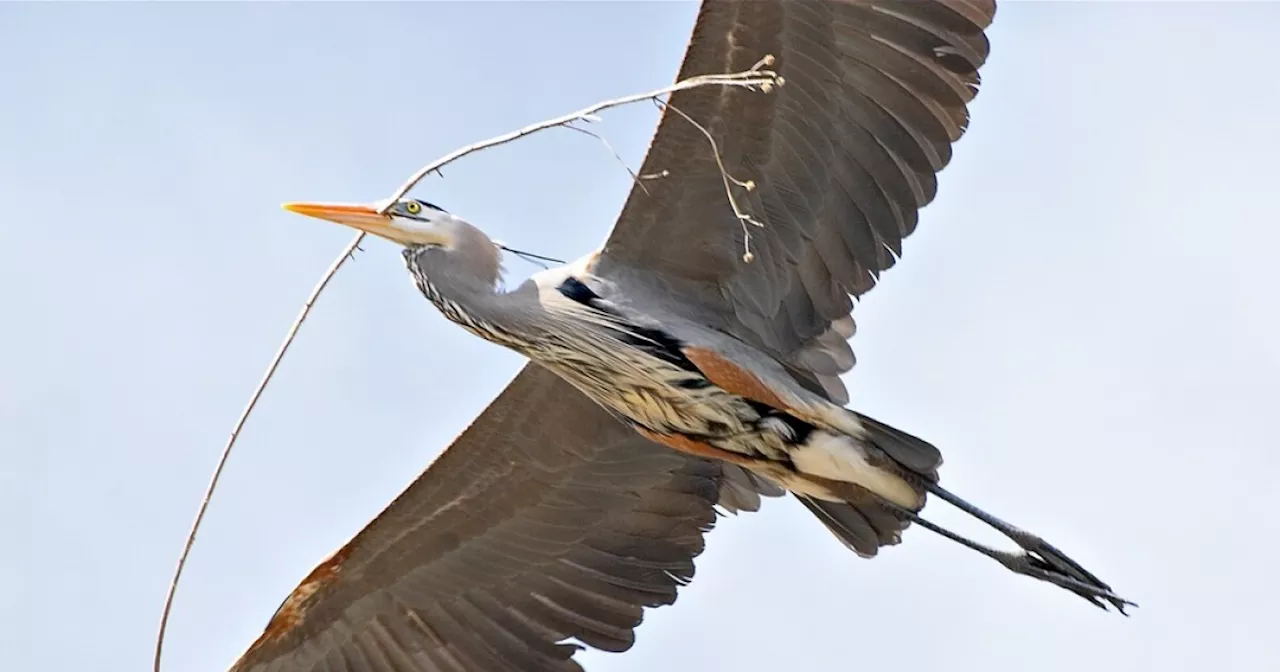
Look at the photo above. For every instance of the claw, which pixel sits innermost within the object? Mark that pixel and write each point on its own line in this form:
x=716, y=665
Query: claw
x=1062, y=571
x=1049, y=566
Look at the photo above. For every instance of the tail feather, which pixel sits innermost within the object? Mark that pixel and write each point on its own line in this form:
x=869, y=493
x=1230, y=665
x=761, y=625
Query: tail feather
x=916, y=454
x=863, y=522
x=889, y=525
x=864, y=528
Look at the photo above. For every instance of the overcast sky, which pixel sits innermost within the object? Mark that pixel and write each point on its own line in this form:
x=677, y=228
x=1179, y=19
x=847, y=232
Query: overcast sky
x=1085, y=322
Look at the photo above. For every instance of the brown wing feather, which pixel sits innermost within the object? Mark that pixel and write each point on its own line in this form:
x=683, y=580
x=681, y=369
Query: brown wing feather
x=546, y=519
x=843, y=157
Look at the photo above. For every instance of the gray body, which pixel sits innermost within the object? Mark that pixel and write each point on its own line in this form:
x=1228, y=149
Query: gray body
x=607, y=346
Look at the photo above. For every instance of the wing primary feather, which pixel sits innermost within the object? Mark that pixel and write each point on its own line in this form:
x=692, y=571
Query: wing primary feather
x=587, y=629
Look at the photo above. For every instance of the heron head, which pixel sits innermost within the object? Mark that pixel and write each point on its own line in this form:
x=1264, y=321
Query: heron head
x=409, y=221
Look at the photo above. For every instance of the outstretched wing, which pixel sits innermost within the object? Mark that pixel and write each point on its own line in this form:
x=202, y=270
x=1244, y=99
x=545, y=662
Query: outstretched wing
x=843, y=156
x=546, y=520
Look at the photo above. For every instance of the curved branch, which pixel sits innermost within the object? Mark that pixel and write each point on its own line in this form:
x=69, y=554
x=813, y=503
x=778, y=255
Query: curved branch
x=347, y=253
x=757, y=78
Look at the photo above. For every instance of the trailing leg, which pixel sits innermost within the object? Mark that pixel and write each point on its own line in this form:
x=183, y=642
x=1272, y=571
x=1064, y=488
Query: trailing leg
x=1038, y=559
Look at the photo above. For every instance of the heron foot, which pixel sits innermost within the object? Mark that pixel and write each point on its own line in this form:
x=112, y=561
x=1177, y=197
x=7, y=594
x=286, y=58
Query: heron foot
x=1041, y=560
x=1062, y=571
x=1048, y=566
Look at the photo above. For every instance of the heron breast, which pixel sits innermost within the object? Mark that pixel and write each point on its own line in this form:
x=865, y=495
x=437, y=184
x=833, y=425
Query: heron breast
x=656, y=394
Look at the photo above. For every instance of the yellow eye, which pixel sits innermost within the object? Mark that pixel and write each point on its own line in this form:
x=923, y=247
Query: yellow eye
x=412, y=207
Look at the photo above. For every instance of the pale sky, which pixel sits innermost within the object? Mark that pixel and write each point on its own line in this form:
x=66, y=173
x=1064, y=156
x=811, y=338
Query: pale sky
x=1085, y=322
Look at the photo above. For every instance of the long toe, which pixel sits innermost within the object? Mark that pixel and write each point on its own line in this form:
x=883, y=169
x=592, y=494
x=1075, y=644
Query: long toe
x=1060, y=563
x=1089, y=588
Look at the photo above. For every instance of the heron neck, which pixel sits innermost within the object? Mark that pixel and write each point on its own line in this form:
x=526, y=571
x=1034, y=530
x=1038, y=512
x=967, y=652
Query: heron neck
x=470, y=301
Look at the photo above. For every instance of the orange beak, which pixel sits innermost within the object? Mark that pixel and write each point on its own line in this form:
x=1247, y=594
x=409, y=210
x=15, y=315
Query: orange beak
x=365, y=217
x=356, y=215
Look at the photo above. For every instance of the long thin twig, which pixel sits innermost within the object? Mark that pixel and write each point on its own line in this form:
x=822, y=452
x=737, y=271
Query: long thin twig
x=744, y=218
x=634, y=178
x=757, y=78
x=235, y=432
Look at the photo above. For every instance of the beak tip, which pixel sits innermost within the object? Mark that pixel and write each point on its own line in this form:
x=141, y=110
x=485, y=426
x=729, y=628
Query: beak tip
x=359, y=216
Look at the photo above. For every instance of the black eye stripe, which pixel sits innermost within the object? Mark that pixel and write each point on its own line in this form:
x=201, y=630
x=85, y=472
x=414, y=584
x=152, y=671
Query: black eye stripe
x=431, y=206
x=422, y=205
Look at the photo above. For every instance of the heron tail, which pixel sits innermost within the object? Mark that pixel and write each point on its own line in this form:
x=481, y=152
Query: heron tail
x=913, y=453
x=862, y=527
x=897, y=465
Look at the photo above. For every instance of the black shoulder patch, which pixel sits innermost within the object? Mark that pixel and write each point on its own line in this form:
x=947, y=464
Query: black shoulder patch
x=576, y=290
x=655, y=342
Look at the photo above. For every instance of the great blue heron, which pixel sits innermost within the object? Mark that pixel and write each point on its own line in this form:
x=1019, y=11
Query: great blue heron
x=669, y=375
